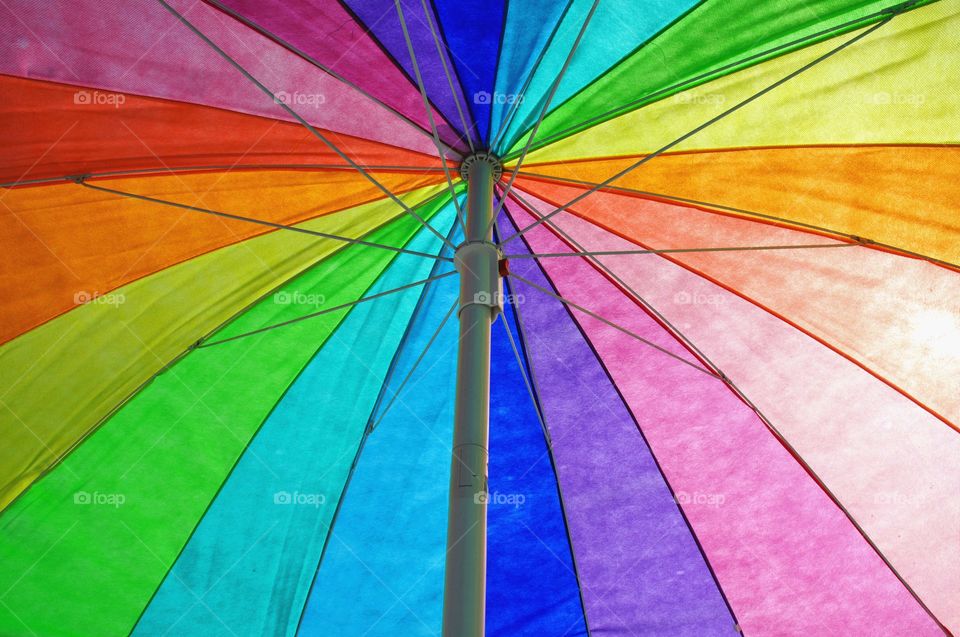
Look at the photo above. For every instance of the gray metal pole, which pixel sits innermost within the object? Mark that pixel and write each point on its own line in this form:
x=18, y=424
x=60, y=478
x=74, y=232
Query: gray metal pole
x=464, y=595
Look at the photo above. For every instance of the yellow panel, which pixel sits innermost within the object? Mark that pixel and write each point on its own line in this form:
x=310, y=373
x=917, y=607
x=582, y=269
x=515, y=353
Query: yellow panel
x=897, y=85
x=127, y=335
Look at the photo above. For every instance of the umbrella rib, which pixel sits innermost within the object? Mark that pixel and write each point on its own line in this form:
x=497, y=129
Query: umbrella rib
x=523, y=372
x=366, y=434
x=752, y=213
x=707, y=124
x=426, y=105
x=166, y=365
x=217, y=167
x=607, y=253
x=511, y=112
x=718, y=373
x=316, y=133
x=81, y=181
x=559, y=231
x=364, y=299
x=693, y=81
x=543, y=111
x=446, y=72
x=324, y=68
x=663, y=476
x=416, y=364
x=606, y=321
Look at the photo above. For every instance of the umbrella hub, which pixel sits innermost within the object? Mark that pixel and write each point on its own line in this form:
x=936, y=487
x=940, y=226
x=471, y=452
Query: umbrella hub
x=478, y=259
x=481, y=156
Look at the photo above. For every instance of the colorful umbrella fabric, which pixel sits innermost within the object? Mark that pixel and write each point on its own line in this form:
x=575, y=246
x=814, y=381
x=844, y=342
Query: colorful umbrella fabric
x=724, y=383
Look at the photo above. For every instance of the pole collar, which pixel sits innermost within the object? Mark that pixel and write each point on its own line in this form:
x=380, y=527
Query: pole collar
x=480, y=282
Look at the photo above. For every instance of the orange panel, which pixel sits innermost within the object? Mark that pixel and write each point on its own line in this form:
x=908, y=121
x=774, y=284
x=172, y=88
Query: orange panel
x=903, y=196
x=61, y=242
x=87, y=131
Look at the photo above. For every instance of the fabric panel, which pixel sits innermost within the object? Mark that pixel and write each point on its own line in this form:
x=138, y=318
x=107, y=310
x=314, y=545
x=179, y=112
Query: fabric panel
x=138, y=47
x=640, y=569
x=890, y=463
x=62, y=378
x=262, y=536
x=891, y=87
x=788, y=559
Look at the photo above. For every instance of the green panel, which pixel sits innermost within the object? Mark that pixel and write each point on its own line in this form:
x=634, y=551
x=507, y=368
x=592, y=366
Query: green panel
x=60, y=379
x=713, y=40
x=87, y=545
x=262, y=537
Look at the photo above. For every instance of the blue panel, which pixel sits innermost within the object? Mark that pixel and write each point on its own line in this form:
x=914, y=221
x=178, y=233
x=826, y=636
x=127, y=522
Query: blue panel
x=472, y=31
x=616, y=28
x=527, y=30
x=382, y=571
x=531, y=586
x=248, y=567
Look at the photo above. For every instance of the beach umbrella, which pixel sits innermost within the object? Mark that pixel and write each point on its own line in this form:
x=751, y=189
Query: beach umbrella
x=410, y=317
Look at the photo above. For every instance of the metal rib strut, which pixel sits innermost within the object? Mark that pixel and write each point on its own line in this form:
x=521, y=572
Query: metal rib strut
x=335, y=308
x=81, y=181
x=703, y=126
x=323, y=138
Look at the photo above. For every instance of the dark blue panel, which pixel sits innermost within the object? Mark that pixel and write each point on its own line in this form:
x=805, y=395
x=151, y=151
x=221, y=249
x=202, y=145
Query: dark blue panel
x=472, y=31
x=531, y=586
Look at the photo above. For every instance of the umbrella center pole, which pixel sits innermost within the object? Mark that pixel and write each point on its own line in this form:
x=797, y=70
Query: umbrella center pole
x=481, y=297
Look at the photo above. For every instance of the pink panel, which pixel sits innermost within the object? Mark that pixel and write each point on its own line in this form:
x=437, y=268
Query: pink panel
x=138, y=47
x=789, y=560
x=897, y=317
x=332, y=37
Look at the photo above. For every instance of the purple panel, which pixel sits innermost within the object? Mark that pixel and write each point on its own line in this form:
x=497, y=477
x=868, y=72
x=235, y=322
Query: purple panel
x=334, y=39
x=790, y=561
x=640, y=568
x=380, y=17
x=136, y=46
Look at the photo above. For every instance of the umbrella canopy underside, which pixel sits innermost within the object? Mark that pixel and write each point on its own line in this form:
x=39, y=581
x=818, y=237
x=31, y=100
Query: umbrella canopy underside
x=724, y=389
